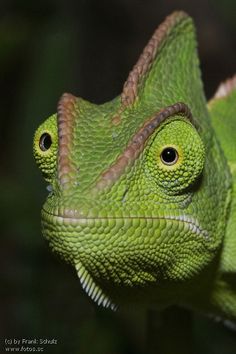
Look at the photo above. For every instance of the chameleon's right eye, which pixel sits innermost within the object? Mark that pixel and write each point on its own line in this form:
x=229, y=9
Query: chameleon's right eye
x=45, y=148
x=45, y=141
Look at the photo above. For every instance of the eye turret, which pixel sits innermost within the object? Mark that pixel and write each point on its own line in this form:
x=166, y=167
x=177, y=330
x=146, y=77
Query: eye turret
x=176, y=157
x=45, y=147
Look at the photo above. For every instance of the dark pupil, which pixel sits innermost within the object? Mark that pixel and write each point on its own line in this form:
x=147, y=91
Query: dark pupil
x=45, y=142
x=169, y=155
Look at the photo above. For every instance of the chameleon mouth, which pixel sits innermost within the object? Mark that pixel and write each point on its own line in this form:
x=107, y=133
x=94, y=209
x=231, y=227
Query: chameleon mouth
x=73, y=217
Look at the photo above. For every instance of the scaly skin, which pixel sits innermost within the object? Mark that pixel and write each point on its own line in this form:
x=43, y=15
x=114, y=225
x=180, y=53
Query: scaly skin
x=141, y=196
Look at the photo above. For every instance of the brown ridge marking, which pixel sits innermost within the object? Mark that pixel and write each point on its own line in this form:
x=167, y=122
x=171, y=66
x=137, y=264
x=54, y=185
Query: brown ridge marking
x=65, y=123
x=225, y=88
x=116, y=120
x=137, y=143
x=141, y=68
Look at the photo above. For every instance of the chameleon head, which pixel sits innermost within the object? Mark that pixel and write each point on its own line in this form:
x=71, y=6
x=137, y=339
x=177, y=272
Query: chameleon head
x=129, y=219
x=130, y=179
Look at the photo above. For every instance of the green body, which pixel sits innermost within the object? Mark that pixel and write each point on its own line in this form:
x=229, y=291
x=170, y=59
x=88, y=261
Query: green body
x=142, y=199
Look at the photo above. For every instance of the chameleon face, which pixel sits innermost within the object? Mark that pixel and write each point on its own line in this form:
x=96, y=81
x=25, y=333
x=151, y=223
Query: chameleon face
x=130, y=179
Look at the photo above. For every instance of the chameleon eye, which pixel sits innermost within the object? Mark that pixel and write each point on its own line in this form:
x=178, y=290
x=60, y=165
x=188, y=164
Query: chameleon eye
x=45, y=141
x=169, y=156
x=175, y=158
x=45, y=147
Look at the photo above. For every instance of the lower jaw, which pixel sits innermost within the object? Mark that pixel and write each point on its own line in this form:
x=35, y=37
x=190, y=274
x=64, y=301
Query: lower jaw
x=108, y=246
x=121, y=254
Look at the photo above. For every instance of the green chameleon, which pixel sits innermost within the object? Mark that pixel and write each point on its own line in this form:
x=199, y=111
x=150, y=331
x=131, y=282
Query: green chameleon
x=142, y=189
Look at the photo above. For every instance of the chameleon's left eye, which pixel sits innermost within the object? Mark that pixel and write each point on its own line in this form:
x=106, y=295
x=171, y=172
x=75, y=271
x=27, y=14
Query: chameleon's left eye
x=176, y=157
x=169, y=156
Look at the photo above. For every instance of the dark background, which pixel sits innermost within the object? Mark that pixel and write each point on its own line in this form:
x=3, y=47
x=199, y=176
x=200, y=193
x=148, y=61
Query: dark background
x=87, y=48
